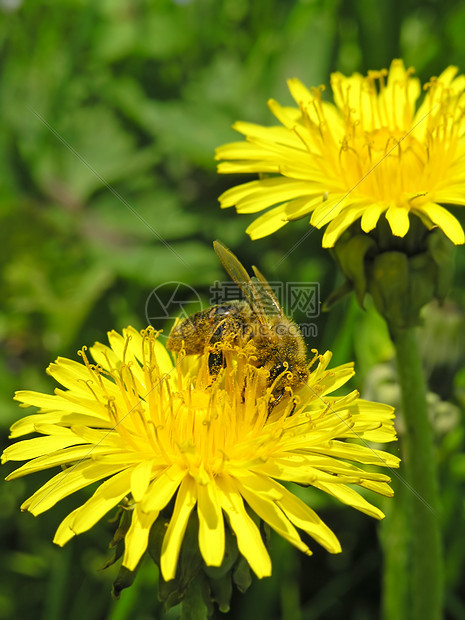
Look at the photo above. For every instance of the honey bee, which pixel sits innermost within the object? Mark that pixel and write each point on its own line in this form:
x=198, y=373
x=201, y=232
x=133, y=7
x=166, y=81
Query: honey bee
x=279, y=346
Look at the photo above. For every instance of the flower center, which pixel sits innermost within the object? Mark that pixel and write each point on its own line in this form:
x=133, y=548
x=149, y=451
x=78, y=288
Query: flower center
x=380, y=147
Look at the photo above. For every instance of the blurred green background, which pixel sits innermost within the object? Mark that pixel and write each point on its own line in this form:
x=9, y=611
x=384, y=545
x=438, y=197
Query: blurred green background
x=110, y=113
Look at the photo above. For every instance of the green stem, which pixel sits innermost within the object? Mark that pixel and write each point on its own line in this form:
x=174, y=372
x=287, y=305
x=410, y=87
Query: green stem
x=421, y=499
x=395, y=540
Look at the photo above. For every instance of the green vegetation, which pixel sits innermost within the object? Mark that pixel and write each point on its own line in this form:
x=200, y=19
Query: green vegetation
x=111, y=112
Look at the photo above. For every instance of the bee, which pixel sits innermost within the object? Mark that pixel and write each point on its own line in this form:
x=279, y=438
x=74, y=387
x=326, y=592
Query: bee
x=279, y=346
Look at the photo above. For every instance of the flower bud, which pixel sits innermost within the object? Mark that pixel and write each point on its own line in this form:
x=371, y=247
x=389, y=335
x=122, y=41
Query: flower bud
x=401, y=274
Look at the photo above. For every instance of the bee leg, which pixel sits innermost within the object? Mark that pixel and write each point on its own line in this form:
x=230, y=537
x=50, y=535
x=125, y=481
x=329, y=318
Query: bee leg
x=243, y=392
x=215, y=362
x=272, y=404
x=294, y=405
x=277, y=399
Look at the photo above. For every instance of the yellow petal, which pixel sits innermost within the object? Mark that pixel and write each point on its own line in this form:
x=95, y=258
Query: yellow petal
x=301, y=207
x=452, y=194
x=340, y=224
x=307, y=520
x=140, y=479
x=31, y=448
x=271, y=194
x=66, y=482
x=239, y=151
x=334, y=379
x=328, y=210
x=359, y=453
x=149, y=348
x=269, y=512
x=447, y=76
x=286, y=116
x=398, y=220
x=299, y=92
x=95, y=436
x=211, y=525
x=249, y=540
x=384, y=414
x=119, y=353
x=171, y=546
x=343, y=86
x=36, y=399
x=400, y=96
x=232, y=196
x=268, y=223
x=371, y=216
x=75, y=375
x=293, y=469
x=257, y=195
x=163, y=488
x=64, y=531
x=54, y=459
x=348, y=496
x=443, y=218
x=243, y=152
x=30, y=423
x=136, y=539
x=244, y=167
x=104, y=356
x=276, y=134
x=106, y=497
x=303, y=166
x=119, y=344
x=378, y=487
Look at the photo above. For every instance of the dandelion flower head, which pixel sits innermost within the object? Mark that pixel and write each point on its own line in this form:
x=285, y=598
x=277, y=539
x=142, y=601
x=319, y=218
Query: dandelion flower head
x=373, y=152
x=163, y=434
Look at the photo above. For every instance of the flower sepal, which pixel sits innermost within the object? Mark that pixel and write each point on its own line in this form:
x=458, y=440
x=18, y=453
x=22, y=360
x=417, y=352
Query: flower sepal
x=402, y=275
x=195, y=583
x=401, y=285
x=442, y=252
x=124, y=579
x=351, y=252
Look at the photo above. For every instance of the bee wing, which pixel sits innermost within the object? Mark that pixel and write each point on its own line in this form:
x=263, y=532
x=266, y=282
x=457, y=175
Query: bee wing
x=258, y=297
x=267, y=294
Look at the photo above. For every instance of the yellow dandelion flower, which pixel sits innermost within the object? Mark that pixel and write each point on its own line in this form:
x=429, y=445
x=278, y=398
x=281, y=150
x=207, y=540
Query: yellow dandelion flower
x=371, y=152
x=155, y=431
